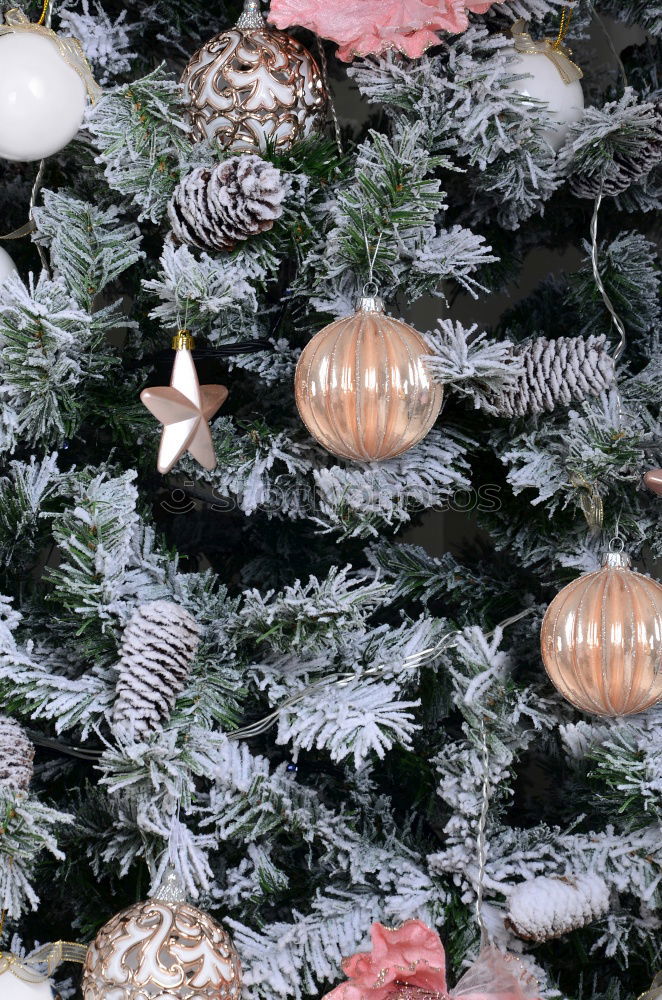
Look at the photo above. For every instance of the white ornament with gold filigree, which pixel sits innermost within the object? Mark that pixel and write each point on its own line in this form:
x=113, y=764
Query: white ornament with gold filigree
x=45, y=83
x=253, y=85
x=163, y=948
x=18, y=982
x=549, y=76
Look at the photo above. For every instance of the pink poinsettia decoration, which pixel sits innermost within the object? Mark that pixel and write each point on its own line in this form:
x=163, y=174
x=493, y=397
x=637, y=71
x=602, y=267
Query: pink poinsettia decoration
x=411, y=954
x=371, y=27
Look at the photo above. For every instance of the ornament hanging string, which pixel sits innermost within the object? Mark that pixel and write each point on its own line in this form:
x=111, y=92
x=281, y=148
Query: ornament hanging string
x=415, y=661
x=370, y=288
x=44, y=12
x=566, y=16
x=615, y=318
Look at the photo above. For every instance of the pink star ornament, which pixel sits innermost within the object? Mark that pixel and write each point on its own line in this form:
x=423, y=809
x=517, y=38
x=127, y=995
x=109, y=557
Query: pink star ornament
x=184, y=408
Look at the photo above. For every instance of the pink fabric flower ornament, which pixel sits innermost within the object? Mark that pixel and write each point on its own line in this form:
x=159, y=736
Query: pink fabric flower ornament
x=412, y=956
x=371, y=27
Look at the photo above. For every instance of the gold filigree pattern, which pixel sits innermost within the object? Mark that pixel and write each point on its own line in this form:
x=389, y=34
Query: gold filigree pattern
x=250, y=86
x=159, y=949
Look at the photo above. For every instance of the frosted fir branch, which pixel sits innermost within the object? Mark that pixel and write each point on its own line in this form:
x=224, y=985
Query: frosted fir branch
x=389, y=213
x=630, y=271
x=628, y=761
x=357, y=720
x=50, y=348
x=28, y=828
x=641, y=12
x=25, y=492
x=463, y=100
x=259, y=469
x=450, y=255
x=297, y=958
x=89, y=247
x=273, y=366
x=601, y=442
x=206, y=290
x=313, y=616
x=358, y=500
x=531, y=10
x=472, y=364
x=140, y=134
x=109, y=560
x=613, y=146
x=107, y=44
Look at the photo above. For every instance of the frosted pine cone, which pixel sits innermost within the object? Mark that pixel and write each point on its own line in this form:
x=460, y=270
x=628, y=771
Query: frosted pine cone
x=216, y=209
x=558, y=372
x=158, y=647
x=625, y=168
x=545, y=908
x=16, y=756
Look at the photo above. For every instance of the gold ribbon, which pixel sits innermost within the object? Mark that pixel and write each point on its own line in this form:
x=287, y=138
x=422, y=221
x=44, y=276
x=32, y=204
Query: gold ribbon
x=70, y=48
x=52, y=955
x=590, y=501
x=18, y=234
x=655, y=992
x=559, y=55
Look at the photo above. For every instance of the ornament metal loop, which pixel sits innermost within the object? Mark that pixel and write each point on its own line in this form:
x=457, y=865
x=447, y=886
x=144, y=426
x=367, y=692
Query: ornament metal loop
x=370, y=289
x=616, y=544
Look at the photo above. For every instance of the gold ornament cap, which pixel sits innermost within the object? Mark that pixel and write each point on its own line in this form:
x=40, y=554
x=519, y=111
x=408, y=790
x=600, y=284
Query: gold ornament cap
x=182, y=341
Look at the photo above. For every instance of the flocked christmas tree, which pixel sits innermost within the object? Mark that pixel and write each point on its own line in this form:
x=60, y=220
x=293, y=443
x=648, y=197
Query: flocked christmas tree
x=244, y=669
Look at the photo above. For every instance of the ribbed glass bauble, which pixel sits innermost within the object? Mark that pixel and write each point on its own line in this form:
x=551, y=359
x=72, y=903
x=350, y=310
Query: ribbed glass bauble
x=362, y=387
x=601, y=640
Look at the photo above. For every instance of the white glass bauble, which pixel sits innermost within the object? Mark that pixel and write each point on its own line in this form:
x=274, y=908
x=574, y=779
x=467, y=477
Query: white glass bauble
x=7, y=265
x=12, y=987
x=42, y=99
x=565, y=101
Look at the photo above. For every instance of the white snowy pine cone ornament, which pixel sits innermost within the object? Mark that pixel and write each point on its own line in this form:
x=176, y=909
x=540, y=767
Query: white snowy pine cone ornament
x=158, y=648
x=218, y=208
x=16, y=756
x=557, y=372
x=543, y=907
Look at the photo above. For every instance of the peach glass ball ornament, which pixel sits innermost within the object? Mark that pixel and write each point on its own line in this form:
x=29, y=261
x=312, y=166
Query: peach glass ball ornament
x=362, y=387
x=601, y=640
